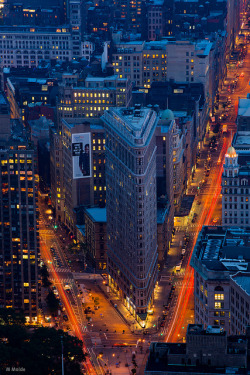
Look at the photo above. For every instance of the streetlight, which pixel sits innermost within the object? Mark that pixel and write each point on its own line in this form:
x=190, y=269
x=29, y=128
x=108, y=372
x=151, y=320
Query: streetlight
x=62, y=355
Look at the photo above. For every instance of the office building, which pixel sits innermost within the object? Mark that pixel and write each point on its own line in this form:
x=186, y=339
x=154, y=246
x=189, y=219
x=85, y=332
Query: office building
x=155, y=19
x=188, y=103
x=26, y=46
x=165, y=175
x=221, y=278
x=235, y=183
x=94, y=97
x=128, y=14
x=131, y=206
x=83, y=169
x=56, y=174
x=206, y=351
x=189, y=62
x=75, y=20
x=19, y=244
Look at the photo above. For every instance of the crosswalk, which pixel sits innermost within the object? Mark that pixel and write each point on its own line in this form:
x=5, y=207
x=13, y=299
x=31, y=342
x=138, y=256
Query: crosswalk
x=60, y=269
x=55, y=281
x=165, y=278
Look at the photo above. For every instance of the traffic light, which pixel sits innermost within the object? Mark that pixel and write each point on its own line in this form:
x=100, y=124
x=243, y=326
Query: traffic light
x=55, y=226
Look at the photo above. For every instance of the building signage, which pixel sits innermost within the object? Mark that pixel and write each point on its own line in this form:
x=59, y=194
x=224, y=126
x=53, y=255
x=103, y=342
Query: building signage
x=81, y=155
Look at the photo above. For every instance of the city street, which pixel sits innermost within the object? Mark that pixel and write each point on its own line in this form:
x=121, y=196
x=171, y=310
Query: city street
x=207, y=205
x=110, y=334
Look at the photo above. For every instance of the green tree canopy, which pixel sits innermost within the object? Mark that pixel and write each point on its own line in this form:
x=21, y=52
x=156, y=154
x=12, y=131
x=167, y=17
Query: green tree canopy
x=39, y=351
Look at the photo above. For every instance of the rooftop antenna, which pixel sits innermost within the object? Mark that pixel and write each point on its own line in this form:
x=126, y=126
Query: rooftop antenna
x=167, y=102
x=231, y=138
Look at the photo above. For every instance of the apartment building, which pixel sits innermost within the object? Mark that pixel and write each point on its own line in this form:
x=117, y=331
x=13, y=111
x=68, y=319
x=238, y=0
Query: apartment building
x=221, y=278
x=25, y=93
x=131, y=206
x=140, y=62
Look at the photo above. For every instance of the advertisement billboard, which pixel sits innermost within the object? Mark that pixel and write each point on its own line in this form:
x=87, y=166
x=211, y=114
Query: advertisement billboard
x=81, y=155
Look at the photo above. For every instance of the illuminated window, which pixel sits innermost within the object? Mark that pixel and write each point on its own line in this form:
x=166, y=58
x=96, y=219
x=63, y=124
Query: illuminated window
x=26, y=300
x=94, y=188
x=217, y=305
x=25, y=284
x=219, y=297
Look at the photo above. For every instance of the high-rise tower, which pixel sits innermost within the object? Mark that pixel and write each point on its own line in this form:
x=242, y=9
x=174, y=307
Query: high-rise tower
x=132, y=205
x=19, y=247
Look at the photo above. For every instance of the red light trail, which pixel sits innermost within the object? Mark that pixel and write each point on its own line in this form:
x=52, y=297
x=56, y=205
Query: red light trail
x=205, y=219
x=88, y=365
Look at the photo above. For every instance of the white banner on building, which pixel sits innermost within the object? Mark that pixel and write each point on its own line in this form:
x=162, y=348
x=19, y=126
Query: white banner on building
x=81, y=155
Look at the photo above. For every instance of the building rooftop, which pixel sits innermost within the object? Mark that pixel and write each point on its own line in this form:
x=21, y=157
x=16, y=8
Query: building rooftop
x=243, y=280
x=241, y=138
x=244, y=107
x=135, y=124
x=197, y=329
x=221, y=249
x=65, y=30
x=97, y=215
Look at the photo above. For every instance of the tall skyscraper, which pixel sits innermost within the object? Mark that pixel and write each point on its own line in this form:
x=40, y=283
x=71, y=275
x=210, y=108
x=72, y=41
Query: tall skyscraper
x=19, y=286
x=131, y=206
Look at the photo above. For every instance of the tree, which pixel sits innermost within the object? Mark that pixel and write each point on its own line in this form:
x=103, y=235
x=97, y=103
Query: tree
x=10, y=316
x=80, y=249
x=45, y=276
x=52, y=301
x=39, y=351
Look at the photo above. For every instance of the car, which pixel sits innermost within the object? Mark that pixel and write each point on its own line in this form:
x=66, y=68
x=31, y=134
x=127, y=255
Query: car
x=162, y=324
x=183, y=251
x=215, y=220
x=178, y=267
